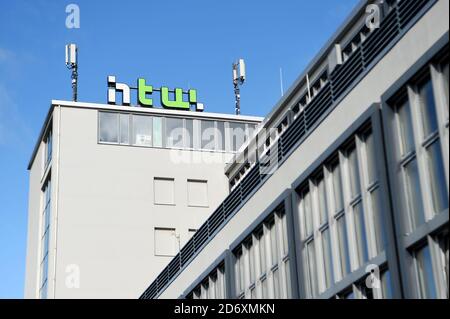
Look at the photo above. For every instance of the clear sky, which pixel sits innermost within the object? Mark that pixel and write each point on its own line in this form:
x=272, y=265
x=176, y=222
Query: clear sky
x=175, y=43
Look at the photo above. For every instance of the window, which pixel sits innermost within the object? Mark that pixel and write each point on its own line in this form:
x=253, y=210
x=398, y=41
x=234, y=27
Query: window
x=424, y=273
x=109, y=127
x=45, y=238
x=124, y=128
x=158, y=131
x=413, y=193
x=443, y=259
x=164, y=191
x=197, y=193
x=386, y=285
x=211, y=287
x=360, y=229
x=208, y=133
x=404, y=123
x=174, y=132
x=436, y=173
x=311, y=269
x=353, y=170
x=323, y=209
x=237, y=135
x=344, y=256
x=189, y=131
x=252, y=270
x=446, y=85
x=220, y=135
x=142, y=130
x=338, y=195
x=418, y=124
x=327, y=257
x=427, y=189
x=48, y=148
x=166, y=242
x=427, y=107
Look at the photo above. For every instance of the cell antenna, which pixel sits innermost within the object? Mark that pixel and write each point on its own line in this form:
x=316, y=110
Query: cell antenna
x=238, y=80
x=72, y=64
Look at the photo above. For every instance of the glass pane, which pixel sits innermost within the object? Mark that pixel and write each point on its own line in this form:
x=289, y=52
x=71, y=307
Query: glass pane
x=437, y=177
x=273, y=243
x=49, y=146
x=312, y=269
x=264, y=288
x=242, y=274
x=109, y=127
x=337, y=188
x=262, y=253
x=380, y=234
x=446, y=85
x=208, y=135
x=157, y=132
x=142, y=130
x=239, y=275
x=237, y=135
x=361, y=234
x=323, y=208
x=443, y=244
x=276, y=284
x=413, y=200
x=371, y=158
x=406, y=129
x=386, y=285
x=354, y=172
x=124, y=128
x=307, y=213
x=174, y=132
x=327, y=259
x=285, y=235
x=189, y=132
x=287, y=270
x=343, y=246
x=428, y=107
x=220, y=135
x=425, y=276
x=251, y=263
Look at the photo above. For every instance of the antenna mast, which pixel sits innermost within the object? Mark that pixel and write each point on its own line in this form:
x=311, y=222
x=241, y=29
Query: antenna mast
x=72, y=64
x=238, y=80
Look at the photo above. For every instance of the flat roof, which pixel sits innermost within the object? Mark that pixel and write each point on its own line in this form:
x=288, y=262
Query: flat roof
x=141, y=110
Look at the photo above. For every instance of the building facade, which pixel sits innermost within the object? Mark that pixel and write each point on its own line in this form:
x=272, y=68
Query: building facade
x=115, y=191
x=343, y=191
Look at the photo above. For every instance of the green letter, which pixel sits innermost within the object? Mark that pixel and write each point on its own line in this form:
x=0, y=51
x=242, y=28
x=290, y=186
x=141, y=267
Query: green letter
x=143, y=90
x=178, y=103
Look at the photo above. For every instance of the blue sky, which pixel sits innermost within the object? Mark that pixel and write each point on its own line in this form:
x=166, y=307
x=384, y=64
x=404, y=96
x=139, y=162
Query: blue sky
x=175, y=43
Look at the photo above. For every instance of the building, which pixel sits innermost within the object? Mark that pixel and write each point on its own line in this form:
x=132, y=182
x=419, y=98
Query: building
x=348, y=195
x=115, y=191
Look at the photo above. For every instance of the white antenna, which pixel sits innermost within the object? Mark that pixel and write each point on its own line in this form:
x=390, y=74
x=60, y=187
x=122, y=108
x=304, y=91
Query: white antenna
x=281, y=82
x=239, y=78
x=72, y=64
